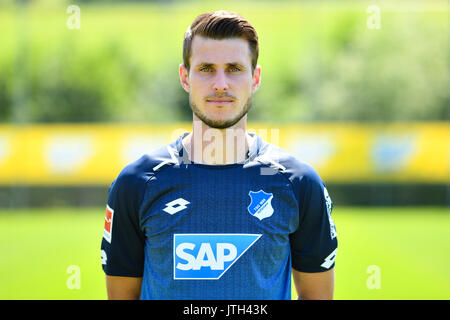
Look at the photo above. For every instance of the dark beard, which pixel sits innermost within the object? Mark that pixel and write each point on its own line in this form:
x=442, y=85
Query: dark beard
x=221, y=124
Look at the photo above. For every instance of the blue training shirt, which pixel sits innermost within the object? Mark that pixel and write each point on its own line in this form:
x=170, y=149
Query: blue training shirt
x=196, y=231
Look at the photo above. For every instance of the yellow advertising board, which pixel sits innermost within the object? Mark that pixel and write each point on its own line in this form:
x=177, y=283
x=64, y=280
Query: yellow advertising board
x=94, y=154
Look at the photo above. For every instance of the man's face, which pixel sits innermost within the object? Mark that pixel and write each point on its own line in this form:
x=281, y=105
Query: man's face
x=220, y=80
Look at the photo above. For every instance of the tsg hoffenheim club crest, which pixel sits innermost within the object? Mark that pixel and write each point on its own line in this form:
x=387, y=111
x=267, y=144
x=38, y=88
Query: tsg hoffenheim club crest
x=260, y=205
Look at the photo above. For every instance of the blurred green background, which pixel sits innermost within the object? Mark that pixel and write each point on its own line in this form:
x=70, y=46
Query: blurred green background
x=322, y=61
x=409, y=246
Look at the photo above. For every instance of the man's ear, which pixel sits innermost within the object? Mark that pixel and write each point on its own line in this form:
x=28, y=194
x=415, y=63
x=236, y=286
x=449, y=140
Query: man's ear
x=256, y=78
x=184, y=78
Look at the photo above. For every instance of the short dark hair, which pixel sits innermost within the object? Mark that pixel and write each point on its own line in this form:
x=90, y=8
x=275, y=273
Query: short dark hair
x=221, y=25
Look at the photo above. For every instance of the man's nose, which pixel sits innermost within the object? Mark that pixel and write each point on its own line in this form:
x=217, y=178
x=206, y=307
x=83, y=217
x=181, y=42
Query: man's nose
x=220, y=82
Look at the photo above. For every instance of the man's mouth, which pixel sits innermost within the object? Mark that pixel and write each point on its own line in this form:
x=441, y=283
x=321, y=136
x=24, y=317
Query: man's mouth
x=220, y=100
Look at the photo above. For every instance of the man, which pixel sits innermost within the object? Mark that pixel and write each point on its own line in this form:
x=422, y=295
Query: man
x=219, y=213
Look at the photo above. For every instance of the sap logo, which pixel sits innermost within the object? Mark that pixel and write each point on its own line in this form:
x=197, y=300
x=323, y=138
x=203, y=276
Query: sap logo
x=208, y=256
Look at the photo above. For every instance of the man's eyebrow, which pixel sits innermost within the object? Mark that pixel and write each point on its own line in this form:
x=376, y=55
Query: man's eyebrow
x=233, y=64
x=208, y=64
x=205, y=64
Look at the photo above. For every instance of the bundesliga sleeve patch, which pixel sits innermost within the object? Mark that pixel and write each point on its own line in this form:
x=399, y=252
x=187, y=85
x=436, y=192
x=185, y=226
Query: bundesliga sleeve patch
x=108, y=224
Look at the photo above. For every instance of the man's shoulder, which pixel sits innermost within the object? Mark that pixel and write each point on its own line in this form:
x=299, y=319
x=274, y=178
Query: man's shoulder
x=287, y=164
x=147, y=165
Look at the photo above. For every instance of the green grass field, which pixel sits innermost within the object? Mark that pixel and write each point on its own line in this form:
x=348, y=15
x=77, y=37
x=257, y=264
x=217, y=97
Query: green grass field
x=410, y=246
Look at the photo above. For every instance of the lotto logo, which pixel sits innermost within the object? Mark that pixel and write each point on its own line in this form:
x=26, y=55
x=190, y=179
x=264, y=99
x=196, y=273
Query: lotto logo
x=208, y=256
x=176, y=206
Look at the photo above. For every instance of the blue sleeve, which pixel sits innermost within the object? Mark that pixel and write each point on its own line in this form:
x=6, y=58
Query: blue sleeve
x=314, y=243
x=122, y=247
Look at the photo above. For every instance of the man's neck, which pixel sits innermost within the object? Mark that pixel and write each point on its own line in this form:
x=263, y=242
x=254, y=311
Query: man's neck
x=213, y=146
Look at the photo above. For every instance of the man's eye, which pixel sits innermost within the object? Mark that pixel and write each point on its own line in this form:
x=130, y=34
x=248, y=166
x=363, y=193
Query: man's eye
x=205, y=69
x=235, y=69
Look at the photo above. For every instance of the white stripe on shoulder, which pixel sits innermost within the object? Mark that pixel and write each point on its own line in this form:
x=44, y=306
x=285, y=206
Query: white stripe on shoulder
x=172, y=159
x=266, y=157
